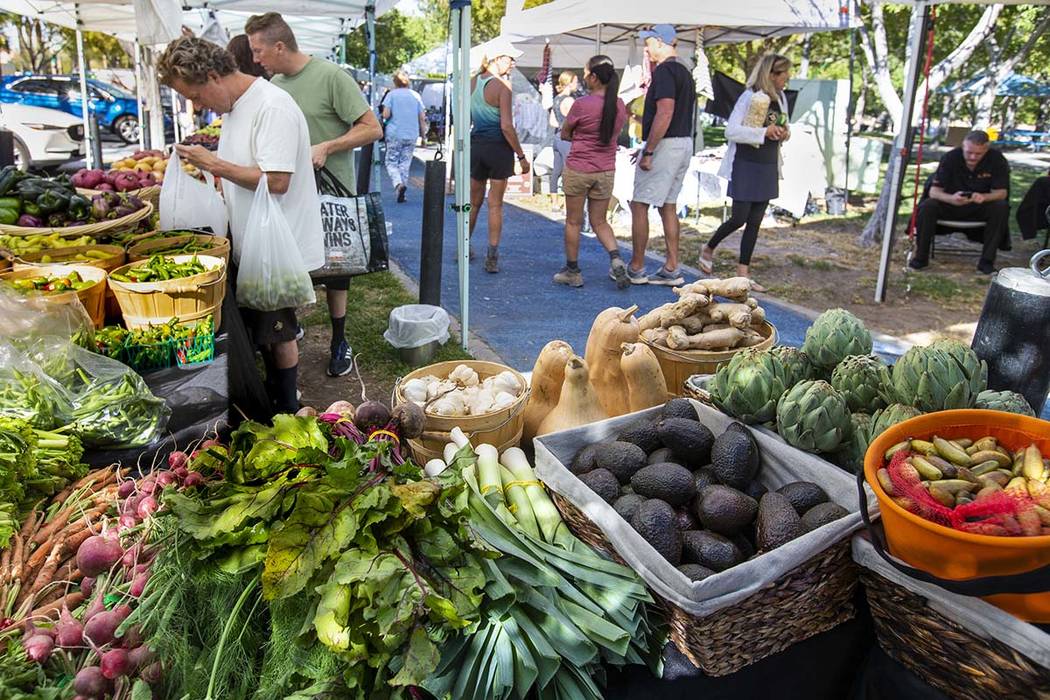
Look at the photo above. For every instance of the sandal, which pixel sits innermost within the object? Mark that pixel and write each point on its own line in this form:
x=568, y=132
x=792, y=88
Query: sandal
x=756, y=287
x=705, y=265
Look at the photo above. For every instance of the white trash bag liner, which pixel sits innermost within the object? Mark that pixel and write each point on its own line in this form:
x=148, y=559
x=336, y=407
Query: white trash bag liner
x=415, y=325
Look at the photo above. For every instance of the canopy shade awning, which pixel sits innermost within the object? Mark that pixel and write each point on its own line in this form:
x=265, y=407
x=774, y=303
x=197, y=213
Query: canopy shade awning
x=317, y=36
x=350, y=9
x=145, y=21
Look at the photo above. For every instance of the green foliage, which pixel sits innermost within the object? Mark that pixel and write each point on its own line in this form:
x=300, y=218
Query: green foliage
x=485, y=16
x=399, y=39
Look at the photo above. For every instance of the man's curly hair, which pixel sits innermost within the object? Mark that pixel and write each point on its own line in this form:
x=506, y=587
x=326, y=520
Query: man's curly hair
x=190, y=60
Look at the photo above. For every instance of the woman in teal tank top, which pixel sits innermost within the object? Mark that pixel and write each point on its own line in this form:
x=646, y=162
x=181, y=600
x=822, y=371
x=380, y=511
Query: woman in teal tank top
x=493, y=144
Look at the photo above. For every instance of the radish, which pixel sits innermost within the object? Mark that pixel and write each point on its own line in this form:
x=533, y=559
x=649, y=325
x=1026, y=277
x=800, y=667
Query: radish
x=101, y=628
x=97, y=554
x=139, y=568
x=151, y=674
x=96, y=607
x=141, y=657
x=208, y=444
x=138, y=585
x=127, y=521
x=90, y=682
x=69, y=632
x=126, y=488
x=122, y=611
x=132, y=639
x=87, y=584
x=115, y=663
x=148, y=486
x=166, y=478
x=193, y=479
x=146, y=507
x=181, y=472
x=39, y=647
x=131, y=556
x=177, y=459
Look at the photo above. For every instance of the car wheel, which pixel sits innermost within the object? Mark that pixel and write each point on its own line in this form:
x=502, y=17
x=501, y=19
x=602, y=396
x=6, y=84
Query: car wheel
x=127, y=128
x=22, y=158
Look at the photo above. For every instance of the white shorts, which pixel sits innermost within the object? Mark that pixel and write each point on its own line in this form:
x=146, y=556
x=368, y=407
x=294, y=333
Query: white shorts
x=661, y=184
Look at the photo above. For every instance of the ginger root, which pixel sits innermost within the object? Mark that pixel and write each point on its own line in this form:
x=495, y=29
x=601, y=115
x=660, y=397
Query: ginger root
x=736, y=288
x=738, y=315
x=723, y=339
x=694, y=324
x=671, y=314
x=656, y=336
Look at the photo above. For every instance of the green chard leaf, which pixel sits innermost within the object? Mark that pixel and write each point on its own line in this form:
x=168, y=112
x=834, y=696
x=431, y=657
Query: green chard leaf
x=419, y=661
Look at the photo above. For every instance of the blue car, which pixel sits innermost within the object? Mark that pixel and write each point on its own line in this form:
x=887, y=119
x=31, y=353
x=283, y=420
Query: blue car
x=116, y=110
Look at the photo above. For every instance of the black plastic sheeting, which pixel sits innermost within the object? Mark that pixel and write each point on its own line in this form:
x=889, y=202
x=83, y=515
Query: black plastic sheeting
x=198, y=400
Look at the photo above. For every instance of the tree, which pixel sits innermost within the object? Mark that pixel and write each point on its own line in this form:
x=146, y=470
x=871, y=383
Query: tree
x=43, y=47
x=485, y=16
x=399, y=39
x=1004, y=56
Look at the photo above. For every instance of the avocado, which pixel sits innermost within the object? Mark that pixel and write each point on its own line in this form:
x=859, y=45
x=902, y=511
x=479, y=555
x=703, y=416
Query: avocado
x=643, y=433
x=669, y=482
x=725, y=510
x=628, y=505
x=803, y=495
x=663, y=454
x=777, y=522
x=583, y=462
x=822, y=514
x=626, y=489
x=686, y=520
x=655, y=522
x=710, y=549
x=695, y=572
x=690, y=440
x=623, y=459
x=603, y=483
x=747, y=549
x=756, y=489
x=735, y=456
x=704, y=477
x=679, y=408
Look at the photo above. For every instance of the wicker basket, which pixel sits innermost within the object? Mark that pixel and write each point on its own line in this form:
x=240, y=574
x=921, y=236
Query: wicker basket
x=501, y=429
x=945, y=654
x=149, y=194
x=93, y=298
x=186, y=298
x=114, y=260
x=808, y=600
x=215, y=246
x=679, y=365
x=98, y=229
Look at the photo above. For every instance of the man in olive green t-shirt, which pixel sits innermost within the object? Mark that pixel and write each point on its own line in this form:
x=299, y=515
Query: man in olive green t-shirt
x=339, y=119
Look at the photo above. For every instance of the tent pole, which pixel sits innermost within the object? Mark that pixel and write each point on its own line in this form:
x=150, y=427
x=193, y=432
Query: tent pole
x=373, y=92
x=597, y=40
x=85, y=98
x=138, y=94
x=902, y=143
x=460, y=10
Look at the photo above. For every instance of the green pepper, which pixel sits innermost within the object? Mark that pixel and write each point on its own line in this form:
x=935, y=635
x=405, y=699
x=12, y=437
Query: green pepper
x=30, y=188
x=52, y=201
x=10, y=209
x=9, y=177
x=79, y=207
x=31, y=208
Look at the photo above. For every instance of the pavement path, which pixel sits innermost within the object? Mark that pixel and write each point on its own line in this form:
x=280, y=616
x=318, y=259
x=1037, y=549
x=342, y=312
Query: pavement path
x=517, y=311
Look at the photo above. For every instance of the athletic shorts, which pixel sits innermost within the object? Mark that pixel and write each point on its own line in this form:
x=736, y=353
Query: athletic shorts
x=269, y=327
x=597, y=185
x=661, y=184
x=491, y=160
x=336, y=284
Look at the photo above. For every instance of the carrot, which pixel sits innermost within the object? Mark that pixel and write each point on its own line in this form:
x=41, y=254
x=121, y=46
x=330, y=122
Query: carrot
x=16, y=558
x=71, y=600
x=72, y=543
x=30, y=523
x=59, y=522
x=5, y=564
x=47, y=571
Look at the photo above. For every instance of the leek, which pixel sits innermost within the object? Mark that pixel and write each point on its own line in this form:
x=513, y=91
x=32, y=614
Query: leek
x=554, y=529
x=489, y=482
x=518, y=502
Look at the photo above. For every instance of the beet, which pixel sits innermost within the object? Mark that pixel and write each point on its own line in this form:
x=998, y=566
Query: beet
x=126, y=488
x=146, y=507
x=101, y=628
x=115, y=663
x=97, y=554
x=39, y=647
x=90, y=682
x=410, y=420
x=69, y=632
x=306, y=412
x=371, y=415
x=344, y=409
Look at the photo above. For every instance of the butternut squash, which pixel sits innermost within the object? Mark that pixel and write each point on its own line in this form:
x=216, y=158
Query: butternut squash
x=578, y=403
x=611, y=328
x=646, y=386
x=547, y=376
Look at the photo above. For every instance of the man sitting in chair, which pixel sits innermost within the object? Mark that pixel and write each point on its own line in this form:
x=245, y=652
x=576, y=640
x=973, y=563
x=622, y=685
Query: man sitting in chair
x=971, y=184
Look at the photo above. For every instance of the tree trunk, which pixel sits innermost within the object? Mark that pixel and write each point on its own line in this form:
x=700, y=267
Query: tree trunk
x=803, y=69
x=1010, y=114
x=946, y=118
x=872, y=232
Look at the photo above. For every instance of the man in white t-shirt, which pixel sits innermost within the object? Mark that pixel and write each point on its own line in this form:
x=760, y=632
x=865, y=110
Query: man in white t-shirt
x=263, y=132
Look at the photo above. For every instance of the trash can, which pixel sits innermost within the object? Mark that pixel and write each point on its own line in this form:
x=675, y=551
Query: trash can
x=835, y=200
x=416, y=330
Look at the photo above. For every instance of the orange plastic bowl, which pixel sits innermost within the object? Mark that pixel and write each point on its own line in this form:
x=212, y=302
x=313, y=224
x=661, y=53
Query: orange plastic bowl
x=951, y=554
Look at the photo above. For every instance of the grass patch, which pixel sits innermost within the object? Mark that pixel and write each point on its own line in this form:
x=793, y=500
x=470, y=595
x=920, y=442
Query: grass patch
x=369, y=303
x=811, y=263
x=938, y=288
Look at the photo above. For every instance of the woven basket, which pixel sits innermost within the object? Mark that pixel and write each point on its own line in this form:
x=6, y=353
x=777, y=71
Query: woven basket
x=114, y=260
x=92, y=298
x=808, y=600
x=945, y=654
x=186, y=298
x=149, y=194
x=216, y=246
x=98, y=229
x=679, y=365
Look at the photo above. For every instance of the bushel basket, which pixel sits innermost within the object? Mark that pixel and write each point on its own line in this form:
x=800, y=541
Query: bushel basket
x=215, y=246
x=747, y=612
x=184, y=298
x=98, y=229
x=93, y=298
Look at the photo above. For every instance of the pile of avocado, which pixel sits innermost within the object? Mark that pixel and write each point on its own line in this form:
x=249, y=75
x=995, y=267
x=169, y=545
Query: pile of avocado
x=696, y=497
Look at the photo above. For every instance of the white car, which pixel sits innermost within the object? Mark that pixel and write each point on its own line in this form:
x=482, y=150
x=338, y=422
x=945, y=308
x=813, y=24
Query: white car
x=42, y=136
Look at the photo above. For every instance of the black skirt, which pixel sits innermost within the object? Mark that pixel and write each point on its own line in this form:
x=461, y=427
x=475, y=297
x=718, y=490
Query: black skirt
x=752, y=181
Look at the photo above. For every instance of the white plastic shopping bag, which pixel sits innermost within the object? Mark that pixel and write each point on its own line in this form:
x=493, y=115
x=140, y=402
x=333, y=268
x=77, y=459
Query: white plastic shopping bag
x=188, y=203
x=271, y=273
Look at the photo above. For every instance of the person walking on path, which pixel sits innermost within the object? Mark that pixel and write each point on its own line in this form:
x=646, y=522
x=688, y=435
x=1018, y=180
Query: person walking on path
x=752, y=162
x=568, y=84
x=406, y=122
x=339, y=119
x=264, y=134
x=591, y=126
x=493, y=142
x=667, y=132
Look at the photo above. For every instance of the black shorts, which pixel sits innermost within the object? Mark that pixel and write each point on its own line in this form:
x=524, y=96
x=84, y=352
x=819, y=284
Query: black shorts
x=491, y=160
x=336, y=284
x=269, y=327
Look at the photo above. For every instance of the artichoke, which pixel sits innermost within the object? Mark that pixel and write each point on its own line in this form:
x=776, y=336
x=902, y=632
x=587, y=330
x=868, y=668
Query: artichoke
x=864, y=381
x=835, y=335
x=851, y=455
x=749, y=385
x=797, y=366
x=941, y=376
x=1009, y=401
x=814, y=417
x=890, y=416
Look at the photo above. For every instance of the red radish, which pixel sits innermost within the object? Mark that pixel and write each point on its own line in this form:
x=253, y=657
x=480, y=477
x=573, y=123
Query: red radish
x=126, y=488
x=127, y=521
x=132, y=555
x=90, y=682
x=166, y=479
x=96, y=607
x=181, y=472
x=101, y=628
x=132, y=638
x=139, y=568
x=138, y=585
x=115, y=663
x=97, y=554
x=122, y=611
x=209, y=443
x=193, y=479
x=177, y=459
x=151, y=674
x=39, y=647
x=146, y=507
x=69, y=632
x=148, y=486
x=87, y=584
x=141, y=657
